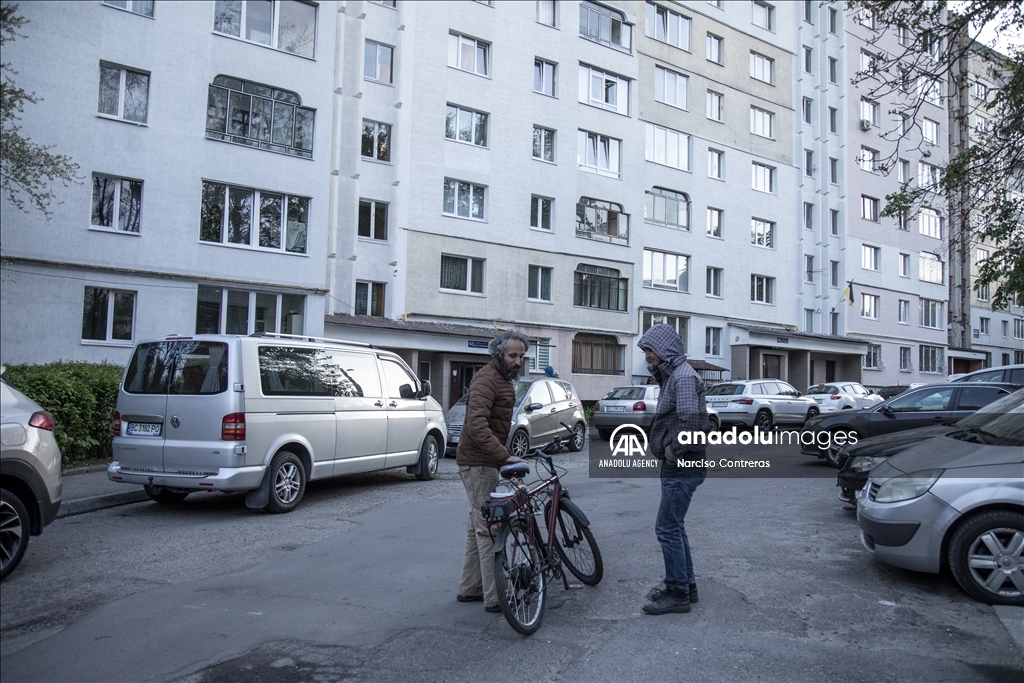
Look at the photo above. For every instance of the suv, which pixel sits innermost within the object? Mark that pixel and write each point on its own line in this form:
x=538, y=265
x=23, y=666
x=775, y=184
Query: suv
x=634, y=405
x=842, y=396
x=265, y=413
x=30, y=476
x=761, y=403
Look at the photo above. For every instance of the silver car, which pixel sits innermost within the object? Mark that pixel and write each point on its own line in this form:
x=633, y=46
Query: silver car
x=30, y=474
x=835, y=396
x=541, y=406
x=760, y=402
x=635, y=405
x=956, y=499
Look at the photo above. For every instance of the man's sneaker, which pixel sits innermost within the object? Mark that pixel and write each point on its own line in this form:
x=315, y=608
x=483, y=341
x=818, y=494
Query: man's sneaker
x=659, y=590
x=668, y=602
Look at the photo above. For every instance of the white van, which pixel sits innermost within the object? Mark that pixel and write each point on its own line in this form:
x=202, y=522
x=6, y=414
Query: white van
x=267, y=413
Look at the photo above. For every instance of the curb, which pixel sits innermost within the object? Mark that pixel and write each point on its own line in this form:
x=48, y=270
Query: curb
x=78, y=507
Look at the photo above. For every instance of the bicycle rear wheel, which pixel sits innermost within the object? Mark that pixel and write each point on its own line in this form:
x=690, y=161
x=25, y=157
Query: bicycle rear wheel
x=576, y=546
x=519, y=578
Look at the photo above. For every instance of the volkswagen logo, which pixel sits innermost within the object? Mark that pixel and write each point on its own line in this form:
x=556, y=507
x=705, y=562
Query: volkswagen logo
x=175, y=422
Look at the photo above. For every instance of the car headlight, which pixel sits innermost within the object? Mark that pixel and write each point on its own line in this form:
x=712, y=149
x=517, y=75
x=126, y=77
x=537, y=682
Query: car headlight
x=864, y=463
x=814, y=422
x=907, y=486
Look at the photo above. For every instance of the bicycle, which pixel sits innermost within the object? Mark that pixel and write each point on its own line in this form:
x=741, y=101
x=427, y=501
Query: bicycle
x=524, y=559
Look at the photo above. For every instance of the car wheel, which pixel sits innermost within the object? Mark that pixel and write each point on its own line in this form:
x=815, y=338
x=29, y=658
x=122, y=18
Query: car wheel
x=985, y=557
x=579, y=437
x=812, y=412
x=520, y=444
x=763, y=421
x=716, y=424
x=15, y=528
x=429, y=458
x=832, y=452
x=287, y=482
x=604, y=434
x=164, y=495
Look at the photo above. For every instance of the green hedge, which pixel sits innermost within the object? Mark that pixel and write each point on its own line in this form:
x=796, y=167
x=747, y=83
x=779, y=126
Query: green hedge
x=82, y=398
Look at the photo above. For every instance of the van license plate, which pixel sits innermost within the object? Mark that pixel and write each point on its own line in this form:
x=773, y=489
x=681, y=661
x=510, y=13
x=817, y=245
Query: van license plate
x=143, y=429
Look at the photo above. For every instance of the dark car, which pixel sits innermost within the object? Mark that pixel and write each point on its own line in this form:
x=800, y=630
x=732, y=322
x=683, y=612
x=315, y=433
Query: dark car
x=857, y=461
x=927, y=406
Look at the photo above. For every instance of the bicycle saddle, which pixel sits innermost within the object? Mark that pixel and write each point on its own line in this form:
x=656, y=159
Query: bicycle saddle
x=515, y=469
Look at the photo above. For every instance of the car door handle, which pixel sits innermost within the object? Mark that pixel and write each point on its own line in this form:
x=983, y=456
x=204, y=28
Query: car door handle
x=393, y=404
x=379, y=404
x=553, y=410
x=938, y=419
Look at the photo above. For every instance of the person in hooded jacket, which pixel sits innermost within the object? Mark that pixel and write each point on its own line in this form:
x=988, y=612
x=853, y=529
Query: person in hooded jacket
x=681, y=407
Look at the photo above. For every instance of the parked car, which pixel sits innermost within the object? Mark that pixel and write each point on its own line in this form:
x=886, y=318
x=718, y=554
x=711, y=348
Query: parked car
x=541, y=406
x=957, y=500
x=842, y=396
x=897, y=389
x=930, y=405
x=760, y=402
x=634, y=405
x=856, y=461
x=266, y=413
x=1014, y=374
x=30, y=474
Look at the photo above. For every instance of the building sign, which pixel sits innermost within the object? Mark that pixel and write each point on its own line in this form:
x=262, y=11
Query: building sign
x=477, y=344
x=976, y=334
x=782, y=340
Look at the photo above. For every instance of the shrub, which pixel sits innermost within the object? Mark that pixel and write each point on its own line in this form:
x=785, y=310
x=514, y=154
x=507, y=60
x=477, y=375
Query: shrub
x=588, y=414
x=82, y=398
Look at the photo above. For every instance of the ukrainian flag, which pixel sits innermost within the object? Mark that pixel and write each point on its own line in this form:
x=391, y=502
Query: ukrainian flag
x=848, y=292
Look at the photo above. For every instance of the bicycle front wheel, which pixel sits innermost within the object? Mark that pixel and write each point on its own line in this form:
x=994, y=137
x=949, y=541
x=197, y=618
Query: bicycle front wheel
x=576, y=546
x=519, y=578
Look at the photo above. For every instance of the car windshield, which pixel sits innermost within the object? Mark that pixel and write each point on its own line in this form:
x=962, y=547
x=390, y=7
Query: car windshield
x=992, y=412
x=822, y=389
x=626, y=393
x=726, y=390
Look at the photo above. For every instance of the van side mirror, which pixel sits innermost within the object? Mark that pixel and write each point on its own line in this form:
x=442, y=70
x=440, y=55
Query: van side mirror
x=424, y=389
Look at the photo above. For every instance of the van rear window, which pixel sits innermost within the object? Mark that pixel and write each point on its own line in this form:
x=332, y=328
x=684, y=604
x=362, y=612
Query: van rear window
x=178, y=367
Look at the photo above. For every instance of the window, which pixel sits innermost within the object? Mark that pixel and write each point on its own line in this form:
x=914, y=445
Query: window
x=869, y=306
x=930, y=223
x=598, y=287
x=981, y=124
x=929, y=90
x=867, y=62
x=903, y=170
x=462, y=274
x=668, y=147
x=143, y=7
x=904, y=265
x=906, y=365
x=930, y=267
x=985, y=325
x=546, y=12
x=260, y=116
x=762, y=233
x=808, y=216
x=670, y=87
x=369, y=299
x=541, y=209
x=833, y=322
x=601, y=220
x=833, y=273
x=667, y=26
x=465, y=125
x=762, y=68
x=715, y=219
x=870, y=257
x=1018, y=328
x=542, y=357
x=539, y=288
x=833, y=171
x=833, y=70
x=762, y=289
x=234, y=215
x=808, y=60
x=931, y=314
x=678, y=323
x=808, y=268
x=869, y=159
x=116, y=203
x=762, y=122
x=597, y=354
x=715, y=49
x=833, y=120
x=715, y=102
x=870, y=111
x=1006, y=329
x=230, y=311
x=808, y=320
x=833, y=20
x=904, y=36
x=980, y=256
x=873, y=357
x=833, y=215
x=608, y=91
x=927, y=175
x=930, y=131
x=597, y=153
x=869, y=208
x=716, y=164
x=377, y=61
x=385, y=3
x=713, y=284
x=667, y=207
x=713, y=341
x=809, y=11
x=605, y=26
x=983, y=292
x=932, y=359
x=809, y=166
x=544, y=77
x=376, y=143
x=373, y=219
x=468, y=54
x=463, y=199
x=124, y=94
x=764, y=15
x=286, y=25
x=108, y=315
x=763, y=177
x=666, y=271
x=806, y=108
x=543, y=144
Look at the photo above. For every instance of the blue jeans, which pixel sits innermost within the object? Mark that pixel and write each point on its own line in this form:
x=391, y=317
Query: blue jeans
x=676, y=493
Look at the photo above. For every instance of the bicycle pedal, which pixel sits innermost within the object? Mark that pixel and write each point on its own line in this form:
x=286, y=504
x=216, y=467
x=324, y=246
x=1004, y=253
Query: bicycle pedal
x=574, y=586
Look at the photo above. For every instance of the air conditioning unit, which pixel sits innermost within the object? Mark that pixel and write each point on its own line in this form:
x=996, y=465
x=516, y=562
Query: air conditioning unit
x=865, y=124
